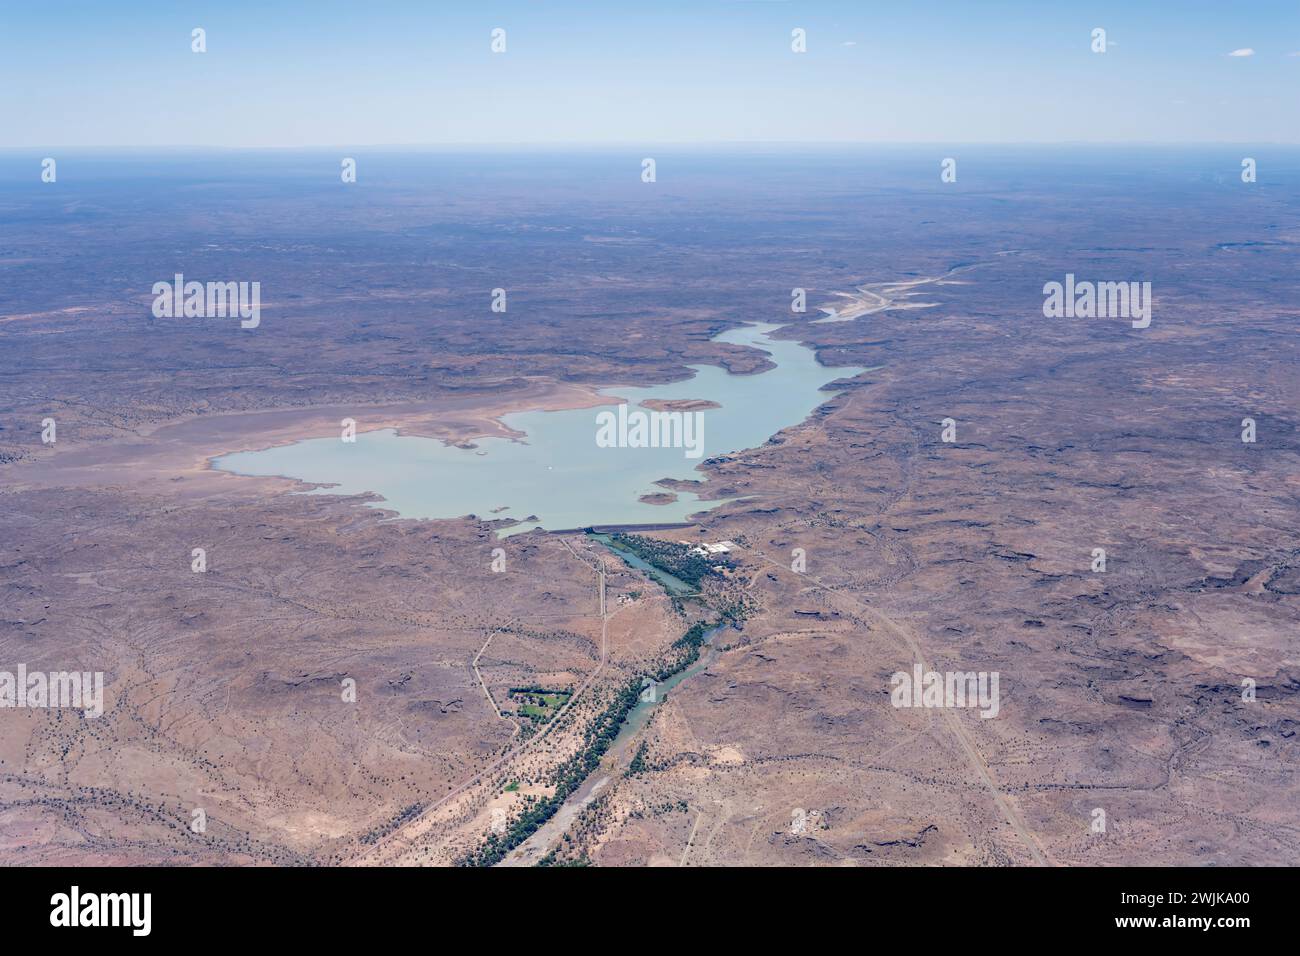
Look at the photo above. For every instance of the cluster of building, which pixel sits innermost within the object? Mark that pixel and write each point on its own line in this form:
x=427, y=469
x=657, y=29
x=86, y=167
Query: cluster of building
x=722, y=547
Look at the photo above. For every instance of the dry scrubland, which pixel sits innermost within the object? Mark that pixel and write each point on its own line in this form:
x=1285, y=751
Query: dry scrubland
x=1120, y=691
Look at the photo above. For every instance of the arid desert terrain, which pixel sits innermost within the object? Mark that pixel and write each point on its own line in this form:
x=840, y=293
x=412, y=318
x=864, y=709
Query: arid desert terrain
x=340, y=685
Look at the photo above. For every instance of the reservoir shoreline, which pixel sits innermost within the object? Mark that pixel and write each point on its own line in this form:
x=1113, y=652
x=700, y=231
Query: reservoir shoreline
x=554, y=471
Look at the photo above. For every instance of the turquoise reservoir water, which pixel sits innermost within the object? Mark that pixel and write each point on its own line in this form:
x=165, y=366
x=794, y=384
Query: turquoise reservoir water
x=559, y=472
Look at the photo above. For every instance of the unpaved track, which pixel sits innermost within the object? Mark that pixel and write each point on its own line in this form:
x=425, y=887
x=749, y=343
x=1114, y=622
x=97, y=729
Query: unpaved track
x=976, y=760
x=394, y=844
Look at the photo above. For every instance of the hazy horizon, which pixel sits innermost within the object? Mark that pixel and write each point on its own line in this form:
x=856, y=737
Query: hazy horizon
x=701, y=145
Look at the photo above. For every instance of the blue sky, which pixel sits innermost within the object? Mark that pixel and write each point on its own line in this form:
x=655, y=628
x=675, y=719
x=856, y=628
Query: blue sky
x=387, y=72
